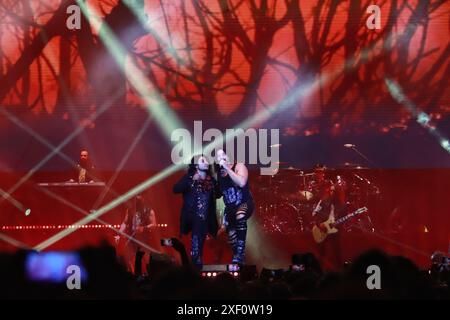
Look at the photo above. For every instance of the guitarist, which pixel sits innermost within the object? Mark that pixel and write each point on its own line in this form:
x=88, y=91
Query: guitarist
x=139, y=220
x=326, y=204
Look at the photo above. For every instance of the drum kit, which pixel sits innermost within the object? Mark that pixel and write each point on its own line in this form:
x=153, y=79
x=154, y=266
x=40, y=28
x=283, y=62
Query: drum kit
x=287, y=199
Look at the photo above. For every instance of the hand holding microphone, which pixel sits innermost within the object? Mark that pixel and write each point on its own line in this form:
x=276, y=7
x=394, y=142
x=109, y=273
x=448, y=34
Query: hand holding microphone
x=222, y=159
x=223, y=163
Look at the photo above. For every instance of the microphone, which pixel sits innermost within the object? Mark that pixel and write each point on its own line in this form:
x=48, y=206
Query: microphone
x=349, y=145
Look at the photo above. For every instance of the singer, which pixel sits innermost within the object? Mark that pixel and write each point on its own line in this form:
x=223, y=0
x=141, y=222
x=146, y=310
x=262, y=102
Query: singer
x=198, y=214
x=233, y=183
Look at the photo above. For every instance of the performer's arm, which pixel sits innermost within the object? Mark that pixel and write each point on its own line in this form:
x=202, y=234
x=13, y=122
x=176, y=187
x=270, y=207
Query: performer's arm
x=239, y=177
x=182, y=185
x=123, y=226
x=179, y=247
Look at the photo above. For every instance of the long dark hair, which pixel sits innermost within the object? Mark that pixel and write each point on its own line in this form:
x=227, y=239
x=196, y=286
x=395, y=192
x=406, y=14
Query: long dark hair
x=193, y=166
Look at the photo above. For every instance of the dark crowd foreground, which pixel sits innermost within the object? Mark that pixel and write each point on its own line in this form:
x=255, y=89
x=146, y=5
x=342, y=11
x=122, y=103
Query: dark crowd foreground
x=305, y=280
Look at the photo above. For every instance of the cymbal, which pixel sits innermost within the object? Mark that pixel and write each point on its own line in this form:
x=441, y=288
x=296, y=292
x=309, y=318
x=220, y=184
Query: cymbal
x=290, y=168
x=302, y=174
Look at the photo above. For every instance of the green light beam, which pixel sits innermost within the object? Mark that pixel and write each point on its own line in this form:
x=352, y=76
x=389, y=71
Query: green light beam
x=139, y=12
x=155, y=104
x=260, y=116
x=111, y=205
x=421, y=117
x=122, y=163
x=14, y=242
x=57, y=150
x=80, y=210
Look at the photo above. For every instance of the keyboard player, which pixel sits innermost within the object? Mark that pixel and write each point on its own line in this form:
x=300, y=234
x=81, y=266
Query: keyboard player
x=84, y=171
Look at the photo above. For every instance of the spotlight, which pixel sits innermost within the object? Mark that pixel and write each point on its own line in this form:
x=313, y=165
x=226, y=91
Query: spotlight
x=27, y=212
x=445, y=144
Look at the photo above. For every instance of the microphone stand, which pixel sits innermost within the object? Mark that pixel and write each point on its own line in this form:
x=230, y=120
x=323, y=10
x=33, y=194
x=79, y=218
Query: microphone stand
x=353, y=147
x=377, y=190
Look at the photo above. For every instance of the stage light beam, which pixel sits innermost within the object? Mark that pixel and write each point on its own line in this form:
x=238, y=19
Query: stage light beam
x=263, y=115
x=111, y=205
x=139, y=12
x=155, y=104
x=14, y=201
x=421, y=117
x=57, y=149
